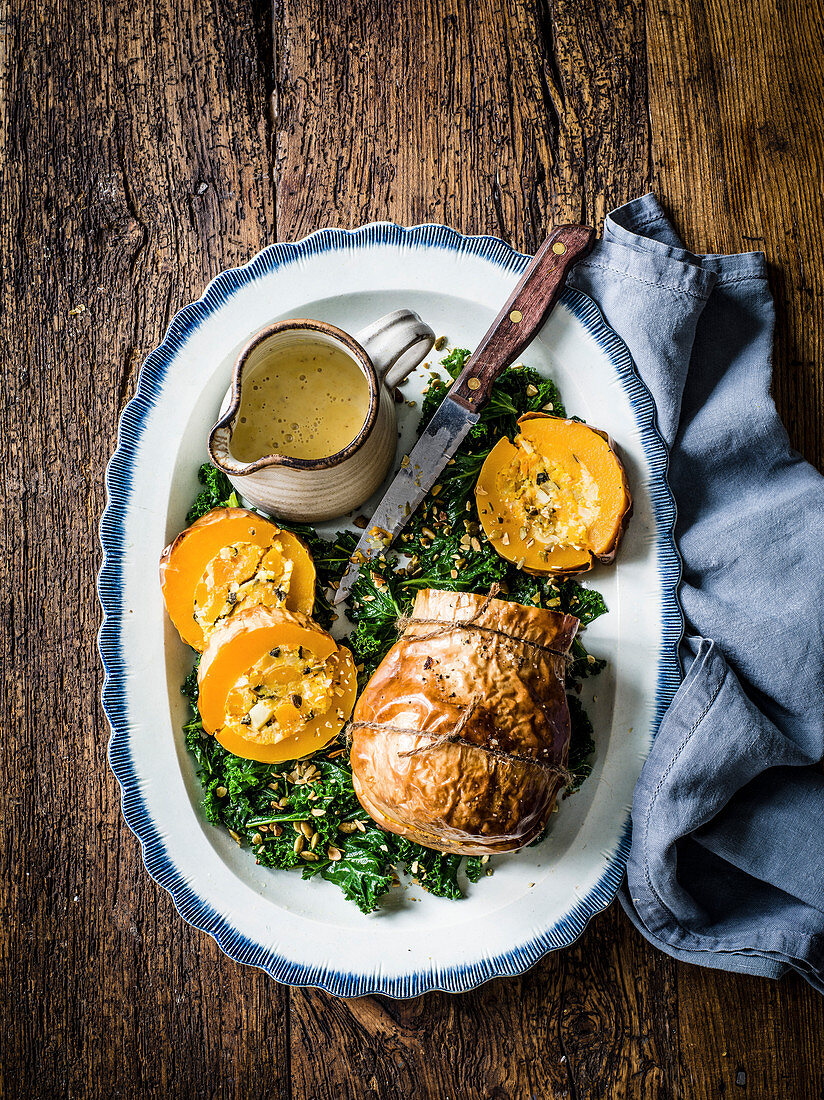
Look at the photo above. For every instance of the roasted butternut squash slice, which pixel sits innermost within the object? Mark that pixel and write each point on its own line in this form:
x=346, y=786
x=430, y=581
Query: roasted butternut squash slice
x=274, y=686
x=228, y=561
x=555, y=499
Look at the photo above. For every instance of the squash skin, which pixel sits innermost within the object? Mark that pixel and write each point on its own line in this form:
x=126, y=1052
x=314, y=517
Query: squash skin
x=235, y=646
x=552, y=436
x=467, y=797
x=184, y=561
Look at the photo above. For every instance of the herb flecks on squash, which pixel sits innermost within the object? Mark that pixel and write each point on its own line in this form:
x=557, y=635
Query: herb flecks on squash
x=556, y=499
x=274, y=686
x=231, y=560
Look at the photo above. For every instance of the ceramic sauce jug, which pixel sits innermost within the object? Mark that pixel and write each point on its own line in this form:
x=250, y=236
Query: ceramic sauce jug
x=302, y=388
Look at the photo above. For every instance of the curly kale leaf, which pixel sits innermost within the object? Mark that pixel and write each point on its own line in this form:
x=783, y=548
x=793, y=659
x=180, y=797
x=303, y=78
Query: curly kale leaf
x=217, y=492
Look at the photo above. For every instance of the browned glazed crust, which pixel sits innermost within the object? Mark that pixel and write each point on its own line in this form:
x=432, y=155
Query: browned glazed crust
x=494, y=790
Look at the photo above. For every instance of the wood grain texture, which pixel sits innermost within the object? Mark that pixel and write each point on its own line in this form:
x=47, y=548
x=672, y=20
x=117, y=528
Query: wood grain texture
x=134, y=167
x=146, y=146
x=738, y=156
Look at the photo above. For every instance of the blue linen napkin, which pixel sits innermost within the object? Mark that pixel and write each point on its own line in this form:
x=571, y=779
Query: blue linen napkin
x=727, y=861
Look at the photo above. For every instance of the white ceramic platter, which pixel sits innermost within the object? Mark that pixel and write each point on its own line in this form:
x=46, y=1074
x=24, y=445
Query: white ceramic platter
x=305, y=933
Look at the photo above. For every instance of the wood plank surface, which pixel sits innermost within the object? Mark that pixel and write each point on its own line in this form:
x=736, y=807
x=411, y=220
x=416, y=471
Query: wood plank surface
x=143, y=148
x=134, y=167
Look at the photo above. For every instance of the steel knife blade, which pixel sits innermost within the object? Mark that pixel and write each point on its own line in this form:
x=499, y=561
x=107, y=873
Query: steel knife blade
x=418, y=473
x=517, y=323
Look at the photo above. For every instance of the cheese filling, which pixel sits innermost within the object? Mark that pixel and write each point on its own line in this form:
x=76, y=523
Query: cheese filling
x=552, y=505
x=281, y=693
x=242, y=576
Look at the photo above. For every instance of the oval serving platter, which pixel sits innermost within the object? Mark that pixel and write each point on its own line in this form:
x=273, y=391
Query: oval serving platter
x=306, y=933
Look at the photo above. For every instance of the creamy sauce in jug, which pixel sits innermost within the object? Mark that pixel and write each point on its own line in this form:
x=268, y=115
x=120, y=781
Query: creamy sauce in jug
x=305, y=401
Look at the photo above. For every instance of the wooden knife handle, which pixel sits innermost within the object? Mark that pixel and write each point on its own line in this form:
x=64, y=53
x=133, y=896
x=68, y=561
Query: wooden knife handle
x=524, y=313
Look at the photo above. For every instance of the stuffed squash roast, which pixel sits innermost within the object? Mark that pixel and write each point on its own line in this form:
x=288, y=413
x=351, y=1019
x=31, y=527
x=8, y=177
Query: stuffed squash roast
x=461, y=737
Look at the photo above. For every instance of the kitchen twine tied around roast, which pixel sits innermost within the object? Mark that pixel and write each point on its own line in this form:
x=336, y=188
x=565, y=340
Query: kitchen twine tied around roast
x=454, y=735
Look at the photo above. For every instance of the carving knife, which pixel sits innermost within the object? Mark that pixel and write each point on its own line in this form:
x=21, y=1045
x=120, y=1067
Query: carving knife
x=513, y=329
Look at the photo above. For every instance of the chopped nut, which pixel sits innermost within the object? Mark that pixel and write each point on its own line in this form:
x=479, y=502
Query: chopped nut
x=221, y=792
x=440, y=343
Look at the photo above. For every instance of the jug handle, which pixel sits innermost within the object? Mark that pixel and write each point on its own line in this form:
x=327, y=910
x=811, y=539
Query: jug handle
x=396, y=344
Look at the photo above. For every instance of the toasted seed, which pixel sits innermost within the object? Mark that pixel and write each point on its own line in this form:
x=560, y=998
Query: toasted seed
x=283, y=802
x=347, y=827
x=334, y=853
x=276, y=829
x=296, y=826
x=310, y=857
x=318, y=811
x=306, y=829
x=475, y=544
x=257, y=839
x=272, y=786
x=440, y=343
x=436, y=489
x=235, y=836
x=360, y=826
x=313, y=843
x=531, y=390
x=221, y=792
x=264, y=828
x=428, y=532
x=453, y=574
x=299, y=845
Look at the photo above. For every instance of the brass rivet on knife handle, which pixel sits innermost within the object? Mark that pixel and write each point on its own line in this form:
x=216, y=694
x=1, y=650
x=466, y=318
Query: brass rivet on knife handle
x=523, y=315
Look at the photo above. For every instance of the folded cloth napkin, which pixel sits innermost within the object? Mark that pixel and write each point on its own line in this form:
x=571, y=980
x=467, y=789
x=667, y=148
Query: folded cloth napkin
x=727, y=861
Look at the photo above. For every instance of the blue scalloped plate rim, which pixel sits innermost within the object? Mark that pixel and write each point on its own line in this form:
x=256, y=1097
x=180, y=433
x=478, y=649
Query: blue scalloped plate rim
x=158, y=860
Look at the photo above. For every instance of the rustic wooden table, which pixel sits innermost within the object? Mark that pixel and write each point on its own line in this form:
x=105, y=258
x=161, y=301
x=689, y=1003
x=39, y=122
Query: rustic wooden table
x=144, y=146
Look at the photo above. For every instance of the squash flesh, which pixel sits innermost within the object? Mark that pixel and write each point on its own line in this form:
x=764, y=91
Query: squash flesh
x=231, y=560
x=274, y=686
x=556, y=498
